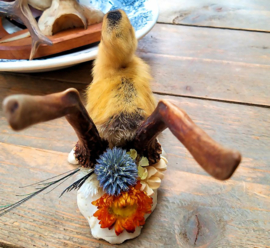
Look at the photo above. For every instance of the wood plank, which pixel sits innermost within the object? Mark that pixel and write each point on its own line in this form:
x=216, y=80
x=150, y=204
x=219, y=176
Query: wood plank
x=217, y=206
x=191, y=203
x=194, y=210
x=187, y=192
x=210, y=79
x=226, y=65
x=62, y=42
x=230, y=125
x=240, y=127
x=244, y=14
x=26, y=84
x=79, y=74
x=36, y=136
x=3, y=32
x=207, y=43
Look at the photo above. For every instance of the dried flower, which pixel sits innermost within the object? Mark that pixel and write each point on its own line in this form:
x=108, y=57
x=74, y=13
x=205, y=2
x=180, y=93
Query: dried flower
x=123, y=212
x=116, y=171
x=151, y=176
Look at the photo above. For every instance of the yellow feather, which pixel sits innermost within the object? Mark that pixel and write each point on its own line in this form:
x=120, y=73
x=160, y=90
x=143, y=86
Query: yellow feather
x=121, y=80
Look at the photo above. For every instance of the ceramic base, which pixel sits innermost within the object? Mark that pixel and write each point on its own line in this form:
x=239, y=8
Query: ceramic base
x=87, y=210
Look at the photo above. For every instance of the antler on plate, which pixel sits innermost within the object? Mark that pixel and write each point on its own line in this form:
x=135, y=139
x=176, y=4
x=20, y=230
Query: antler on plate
x=218, y=161
x=20, y=9
x=25, y=110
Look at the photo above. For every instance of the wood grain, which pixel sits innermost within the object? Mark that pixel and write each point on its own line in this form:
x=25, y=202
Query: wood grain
x=63, y=41
x=231, y=125
x=3, y=32
x=218, y=161
x=205, y=63
x=225, y=211
x=206, y=43
x=244, y=14
x=194, y=210
x=244, y=128
x=209, y=63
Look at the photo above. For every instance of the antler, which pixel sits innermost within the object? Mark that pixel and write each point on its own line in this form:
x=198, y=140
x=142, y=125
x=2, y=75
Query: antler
x=20, y=9
x=218, y=161
x=25, y=110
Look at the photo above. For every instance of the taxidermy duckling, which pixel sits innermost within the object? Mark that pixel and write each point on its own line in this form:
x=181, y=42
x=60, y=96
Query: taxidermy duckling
x=119, y=98
x=117, y=190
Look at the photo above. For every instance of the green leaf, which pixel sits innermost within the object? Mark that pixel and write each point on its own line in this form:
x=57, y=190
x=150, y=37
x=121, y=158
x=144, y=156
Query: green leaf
x=142, y=172
x=132, y=153
x=144, y=162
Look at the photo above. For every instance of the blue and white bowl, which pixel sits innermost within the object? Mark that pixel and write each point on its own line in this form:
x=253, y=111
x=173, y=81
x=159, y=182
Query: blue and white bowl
x=143, y=15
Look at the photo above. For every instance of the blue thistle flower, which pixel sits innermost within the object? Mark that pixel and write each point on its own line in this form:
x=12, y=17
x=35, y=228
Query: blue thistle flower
x=116, y=171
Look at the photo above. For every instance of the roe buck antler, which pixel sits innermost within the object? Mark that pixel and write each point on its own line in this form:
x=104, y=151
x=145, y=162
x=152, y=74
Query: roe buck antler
x=24, y=110
x=20, y=9
x=218, y=161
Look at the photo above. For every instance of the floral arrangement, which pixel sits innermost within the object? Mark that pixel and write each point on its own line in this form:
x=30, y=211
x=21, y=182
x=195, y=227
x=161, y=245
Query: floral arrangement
x=128, y=183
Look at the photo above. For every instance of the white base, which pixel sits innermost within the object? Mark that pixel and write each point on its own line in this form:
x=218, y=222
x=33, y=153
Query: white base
x=87, y=210
x=71, y=157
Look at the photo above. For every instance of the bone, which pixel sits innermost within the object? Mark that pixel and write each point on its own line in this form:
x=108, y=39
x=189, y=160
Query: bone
x=20, y=9
x=40, y=5
x=67, y=14
x=23, y=111
x=218, y=161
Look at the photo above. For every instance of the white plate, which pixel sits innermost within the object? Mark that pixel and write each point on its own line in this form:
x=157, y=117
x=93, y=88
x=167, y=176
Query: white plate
x=143, y=15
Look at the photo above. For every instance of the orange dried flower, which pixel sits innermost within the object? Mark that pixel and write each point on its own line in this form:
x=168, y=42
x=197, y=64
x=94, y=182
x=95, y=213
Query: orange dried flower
x=124, y=212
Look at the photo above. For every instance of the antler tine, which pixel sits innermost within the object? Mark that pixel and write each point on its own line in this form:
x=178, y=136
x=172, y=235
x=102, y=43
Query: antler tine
x=24, y=110
x=20, y=9
x=218, y=161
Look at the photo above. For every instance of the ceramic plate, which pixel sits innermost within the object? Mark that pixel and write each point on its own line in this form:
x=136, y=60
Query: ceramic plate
x=143, y=15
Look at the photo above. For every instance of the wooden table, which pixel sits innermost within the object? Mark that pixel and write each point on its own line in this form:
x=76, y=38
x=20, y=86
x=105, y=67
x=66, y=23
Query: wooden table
x=215, y=64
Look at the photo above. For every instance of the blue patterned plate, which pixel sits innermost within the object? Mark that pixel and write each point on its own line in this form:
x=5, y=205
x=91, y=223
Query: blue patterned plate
x=143, y=15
